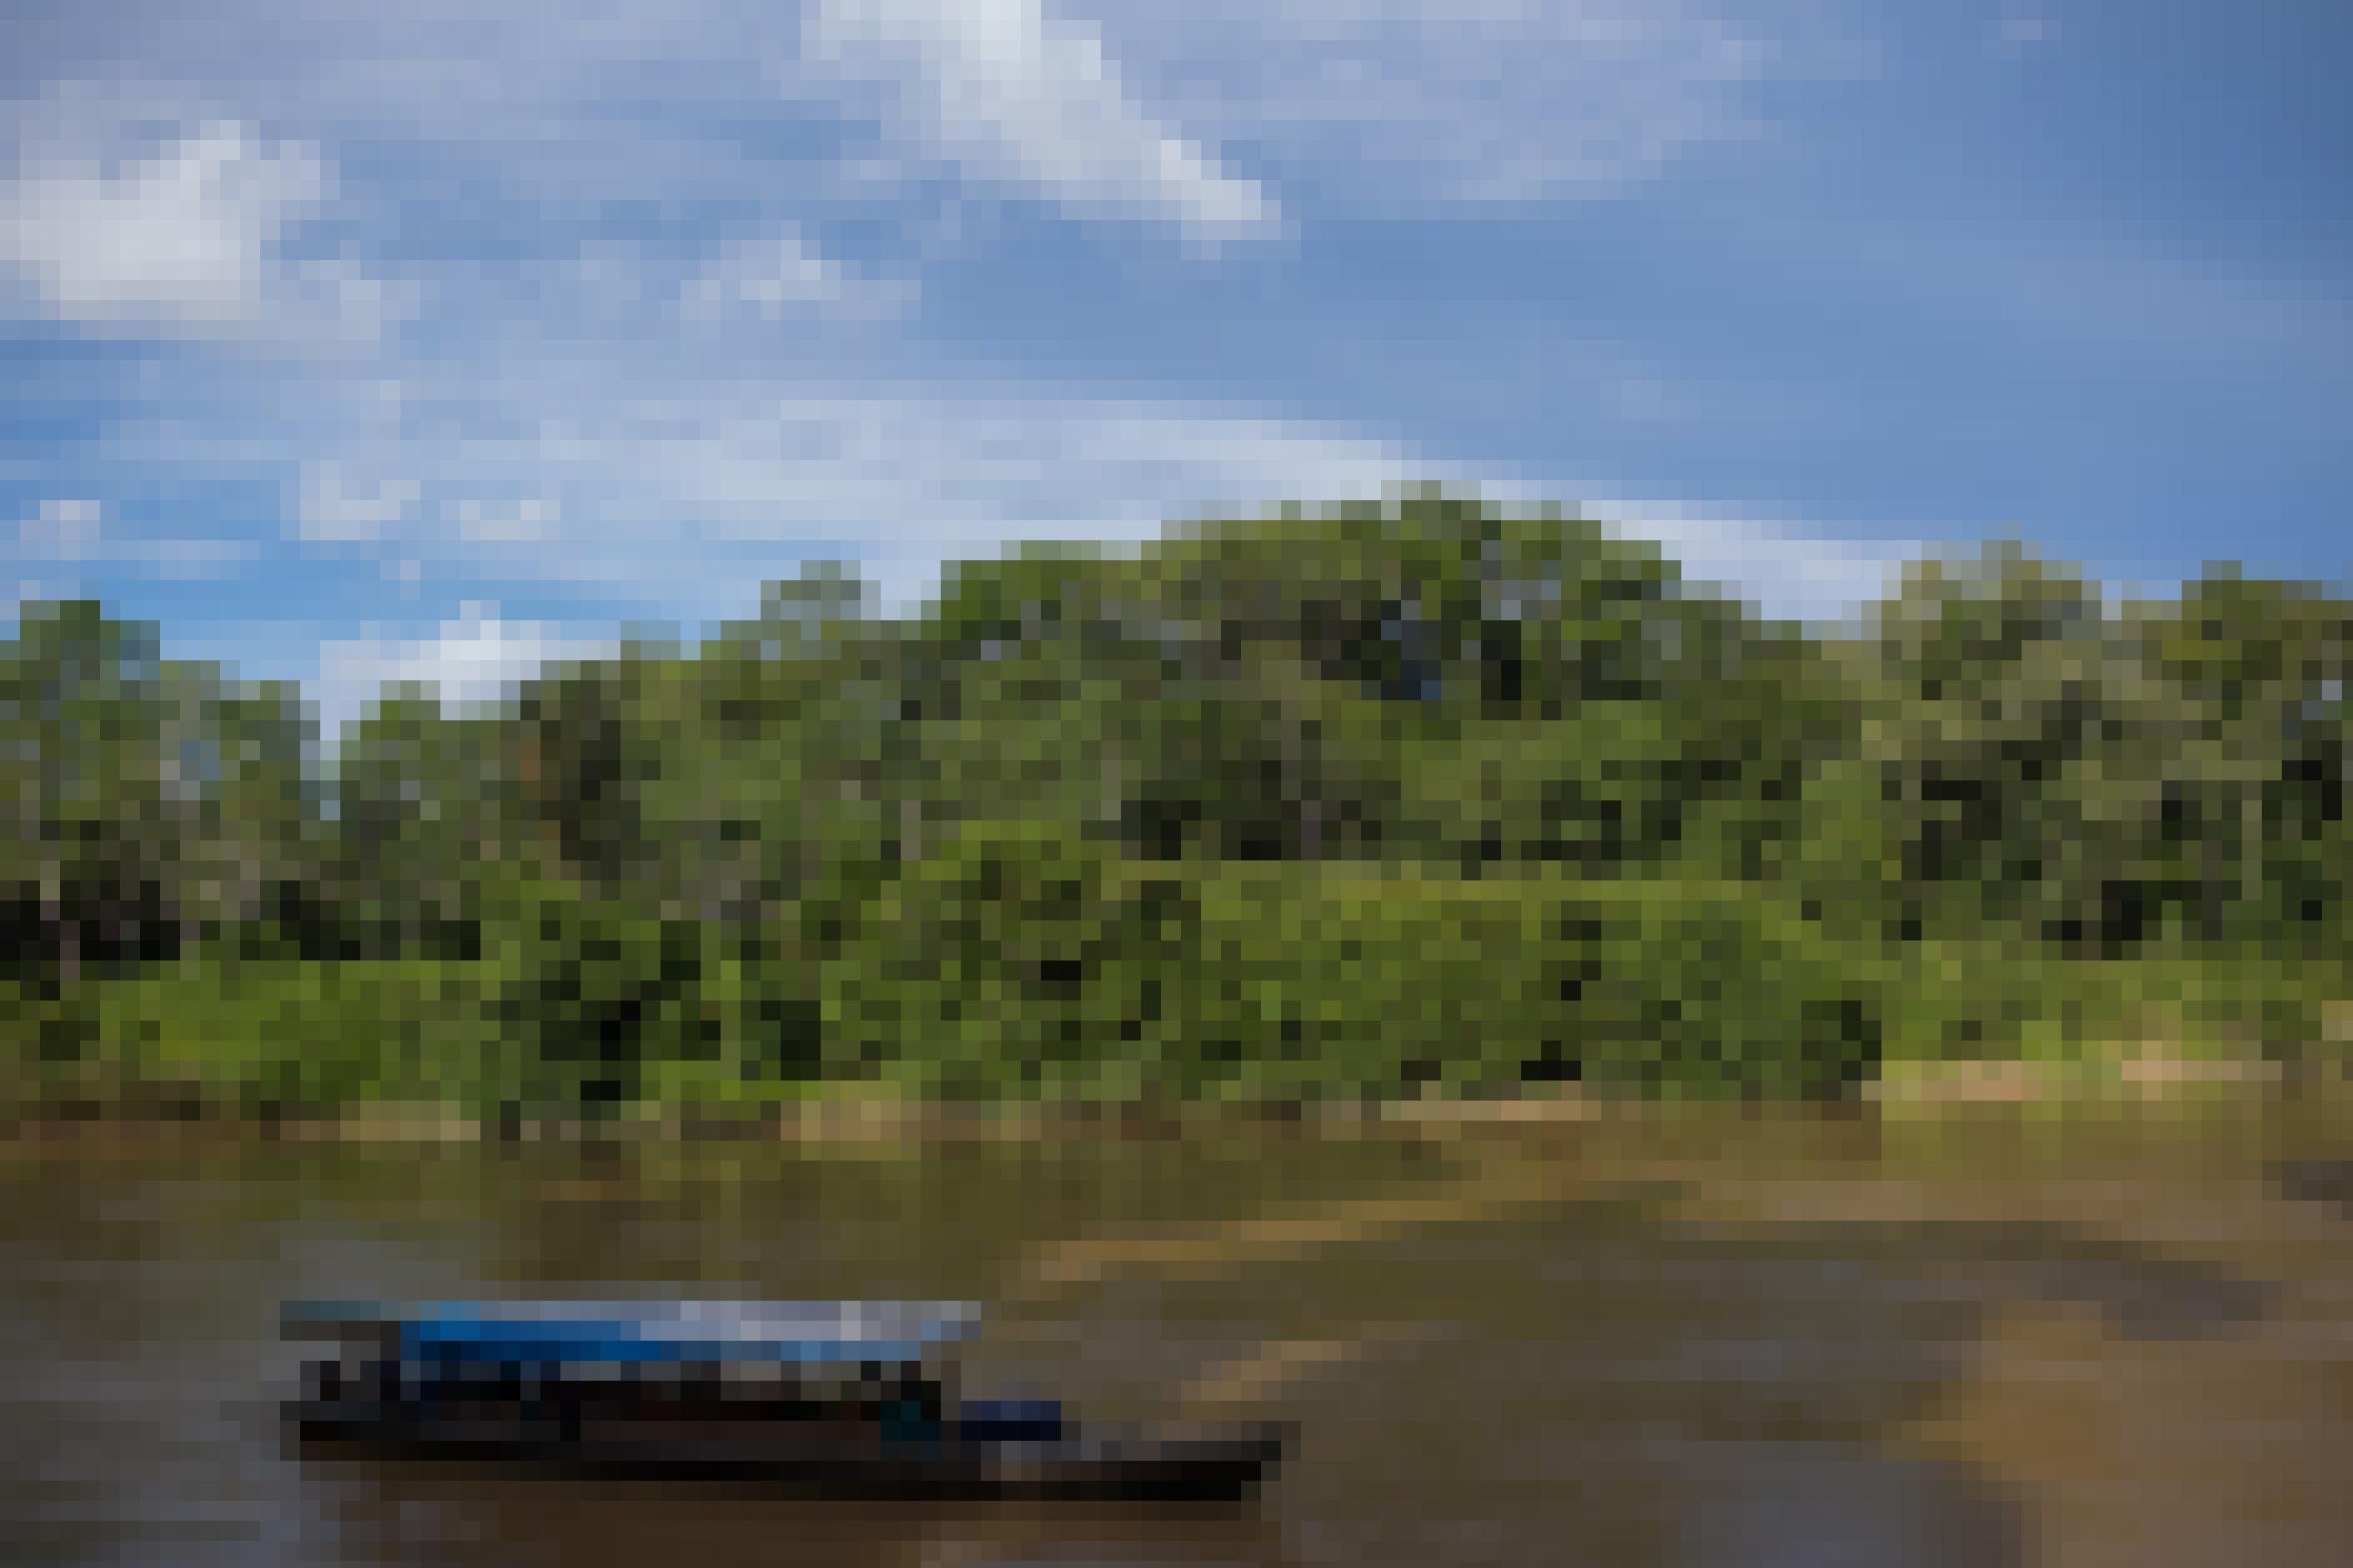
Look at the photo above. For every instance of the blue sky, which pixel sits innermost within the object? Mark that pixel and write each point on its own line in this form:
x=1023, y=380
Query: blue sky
x=362, y=341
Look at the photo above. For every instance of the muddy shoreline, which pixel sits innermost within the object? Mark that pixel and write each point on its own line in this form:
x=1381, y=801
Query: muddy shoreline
x=1917, y=1089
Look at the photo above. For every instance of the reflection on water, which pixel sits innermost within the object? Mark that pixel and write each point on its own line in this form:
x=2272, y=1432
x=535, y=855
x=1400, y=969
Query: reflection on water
x=1697, y=1340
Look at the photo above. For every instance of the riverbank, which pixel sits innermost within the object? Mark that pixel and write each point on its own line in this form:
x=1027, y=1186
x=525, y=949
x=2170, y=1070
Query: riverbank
x=2113, y=1080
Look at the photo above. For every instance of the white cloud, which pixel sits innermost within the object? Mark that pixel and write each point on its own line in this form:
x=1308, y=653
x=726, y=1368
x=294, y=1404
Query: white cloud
x=473, y=659
x=1033, y=104
x=190, y=560
x=181, y=237
x=781, y=277
x=677, y=503
x=1399, y=105
x=335, y=509
x=76, y=533
x=531, y=520
x=62, y=530
x=1200, y=113
x=388, y=125
x=144, y=208
x=1783, y=570
x=669, y=485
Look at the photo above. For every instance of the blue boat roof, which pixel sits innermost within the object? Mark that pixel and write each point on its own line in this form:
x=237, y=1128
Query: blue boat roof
x=648, y=1331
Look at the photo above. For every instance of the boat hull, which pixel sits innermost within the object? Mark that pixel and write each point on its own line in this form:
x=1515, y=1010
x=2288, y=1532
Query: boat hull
x=1213, y=1464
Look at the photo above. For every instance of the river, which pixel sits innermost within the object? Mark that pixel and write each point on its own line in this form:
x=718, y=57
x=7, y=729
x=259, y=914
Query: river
x=1724, y=1337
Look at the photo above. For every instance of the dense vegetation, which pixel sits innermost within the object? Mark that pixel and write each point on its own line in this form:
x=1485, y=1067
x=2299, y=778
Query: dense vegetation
x=1419, y=796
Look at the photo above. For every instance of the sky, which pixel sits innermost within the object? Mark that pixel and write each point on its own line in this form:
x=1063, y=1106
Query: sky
x=354, y=342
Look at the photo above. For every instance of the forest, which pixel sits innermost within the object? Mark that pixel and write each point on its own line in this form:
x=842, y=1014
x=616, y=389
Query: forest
x=1424, y=796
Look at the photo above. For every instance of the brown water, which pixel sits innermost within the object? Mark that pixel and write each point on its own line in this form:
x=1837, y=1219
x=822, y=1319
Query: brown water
x=1720, y=1339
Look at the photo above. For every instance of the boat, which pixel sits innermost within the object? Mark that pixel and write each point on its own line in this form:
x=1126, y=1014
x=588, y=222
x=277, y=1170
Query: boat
x=832, y=1397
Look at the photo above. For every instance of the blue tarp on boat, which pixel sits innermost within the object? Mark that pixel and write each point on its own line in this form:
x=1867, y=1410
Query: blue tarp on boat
x=561, y=1333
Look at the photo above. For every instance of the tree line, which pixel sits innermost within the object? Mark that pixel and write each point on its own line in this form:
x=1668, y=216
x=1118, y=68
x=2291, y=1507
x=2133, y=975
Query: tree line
x=1421, y=795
